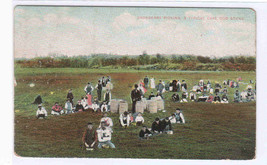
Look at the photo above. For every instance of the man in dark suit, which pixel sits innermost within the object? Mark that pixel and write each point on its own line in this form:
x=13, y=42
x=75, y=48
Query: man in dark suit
x=136, y=96
x=146, y=81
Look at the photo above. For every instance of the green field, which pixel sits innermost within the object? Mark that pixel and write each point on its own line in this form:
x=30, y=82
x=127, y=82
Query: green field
x=211, y=131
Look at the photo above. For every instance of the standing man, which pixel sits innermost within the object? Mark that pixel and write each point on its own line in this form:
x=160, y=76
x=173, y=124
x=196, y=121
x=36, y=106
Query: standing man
x=90, y=137
x=160, y=87
x=70, y=96
x=136, y=96
x=99, y=90
x=146, y=81
x=107, y=97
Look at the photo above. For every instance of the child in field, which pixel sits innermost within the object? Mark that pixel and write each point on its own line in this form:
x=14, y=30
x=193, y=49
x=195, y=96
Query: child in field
x=139, y=119
x=38, y=100
x=70, y=96
x=84, y=102
x=107, y=120
x=151, y=95
x=172, y=118
x=57, y=109
x=68, y=107
x=104, y=136
x=90, y=137
x=175, y=97
x=156, y=126
x=236, y=96
x=179, y=116
x=79, y=107
x=95, y=105
x=184, y=86
x=144, y=133
x=244, y=96
x=41, y=112
x=210, y=99
x=104, y=107
x=224, y=99
x=193, y=97
x=88, y=90
x=166, y=125
x=184, y=96
x=125, y=119
x=152, y=83
x=211, y=90
x=217, y=99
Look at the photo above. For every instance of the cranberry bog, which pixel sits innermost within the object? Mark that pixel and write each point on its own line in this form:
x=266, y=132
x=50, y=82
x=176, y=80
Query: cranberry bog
x=211, y=131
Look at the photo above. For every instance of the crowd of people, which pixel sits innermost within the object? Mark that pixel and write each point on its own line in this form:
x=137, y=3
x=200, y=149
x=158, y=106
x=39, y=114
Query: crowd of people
x=201, y=92
x=101, y=136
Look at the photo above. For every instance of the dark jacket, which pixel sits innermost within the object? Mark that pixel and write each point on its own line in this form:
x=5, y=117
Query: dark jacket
x=136, y=95
x=150, y=96
x=175, y=97
x=78, y=107
x=143, y=133
x=146, y=80
x=165, y=123
x=156, y=127
x=70, y=96
x=217, y=98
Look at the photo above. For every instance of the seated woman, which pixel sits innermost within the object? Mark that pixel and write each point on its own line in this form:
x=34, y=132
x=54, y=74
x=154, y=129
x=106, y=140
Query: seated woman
x=79, y=107
x=125, y=119
x=224, y=99
x=139, y=119
x=57, y=109
x=41, y=112
x=144, y=133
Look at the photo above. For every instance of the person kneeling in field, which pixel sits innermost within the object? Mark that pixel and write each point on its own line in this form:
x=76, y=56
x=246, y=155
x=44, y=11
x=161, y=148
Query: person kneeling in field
x=224, y=99
x=84, y=102
x=79, y=107
x=156, y=126
x=107, y=120
x=139, y=119
x=104, y=136
x=217, y=99
x=90, y=137
x=144, y=133
x=41, y=112
x=166, y=126
x=179, y=116
x=125, y=119
x=68, y=107
x=57, y=109
x=210, y=99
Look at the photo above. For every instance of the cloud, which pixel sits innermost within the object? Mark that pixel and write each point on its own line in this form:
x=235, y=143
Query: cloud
x=69, y=35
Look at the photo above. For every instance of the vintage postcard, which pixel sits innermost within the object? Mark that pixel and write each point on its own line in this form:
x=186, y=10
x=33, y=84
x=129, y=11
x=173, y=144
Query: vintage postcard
x=135, y=82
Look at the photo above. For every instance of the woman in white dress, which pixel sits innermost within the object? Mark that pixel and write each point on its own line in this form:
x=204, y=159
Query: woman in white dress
x=152, y=83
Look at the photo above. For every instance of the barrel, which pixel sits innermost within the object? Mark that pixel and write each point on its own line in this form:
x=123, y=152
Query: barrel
x=139, y=107
x=114, y=106
x=152, y=106
x=123, y=106
x=160, y=104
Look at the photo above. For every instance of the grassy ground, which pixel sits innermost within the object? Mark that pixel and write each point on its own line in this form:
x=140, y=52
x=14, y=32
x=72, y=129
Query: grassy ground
x=212, y=131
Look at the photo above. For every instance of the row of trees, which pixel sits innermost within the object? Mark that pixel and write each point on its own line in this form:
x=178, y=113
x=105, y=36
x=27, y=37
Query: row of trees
x=174, y=62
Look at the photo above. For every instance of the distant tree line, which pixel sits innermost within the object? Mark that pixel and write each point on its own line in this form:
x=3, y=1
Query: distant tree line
x=144, y=61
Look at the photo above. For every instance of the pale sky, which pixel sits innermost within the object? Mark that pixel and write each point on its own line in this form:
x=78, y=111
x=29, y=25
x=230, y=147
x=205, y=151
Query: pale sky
x=117, y=30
